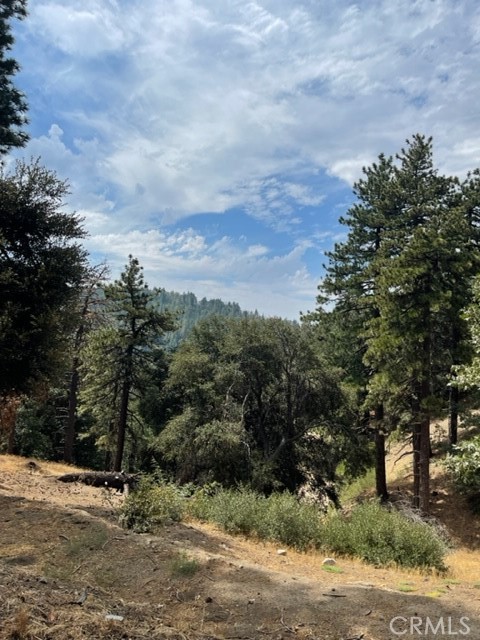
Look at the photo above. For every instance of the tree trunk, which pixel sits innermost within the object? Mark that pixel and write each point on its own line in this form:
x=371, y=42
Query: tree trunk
x=380, y=468
x=72, y=413
x=123, y=416
x=8, y=418
x=122, y=425
x=453, y=397
x=424, y=464
x=416, y=438
x=102, y=479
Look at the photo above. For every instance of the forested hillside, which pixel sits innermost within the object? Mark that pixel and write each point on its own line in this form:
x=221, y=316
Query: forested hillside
x=188, y=310
x=117, y=374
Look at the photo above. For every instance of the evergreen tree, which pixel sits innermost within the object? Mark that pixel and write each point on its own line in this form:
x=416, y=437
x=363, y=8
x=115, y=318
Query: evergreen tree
x=42, y=266
x=406, y=265
x=351, y=279
x=12, y=101
x=118, y=357
x=89, y=315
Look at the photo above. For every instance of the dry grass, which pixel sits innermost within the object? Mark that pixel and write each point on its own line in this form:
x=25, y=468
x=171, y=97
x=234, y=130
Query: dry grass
x=57, y=540
x=12, y=464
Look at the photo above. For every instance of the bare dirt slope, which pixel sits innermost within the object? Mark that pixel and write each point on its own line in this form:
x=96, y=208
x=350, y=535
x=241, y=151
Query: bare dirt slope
x=66, y=566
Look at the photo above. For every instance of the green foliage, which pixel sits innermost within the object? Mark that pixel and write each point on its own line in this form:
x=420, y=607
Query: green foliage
x=370, y=532
x=256, y=404
x=279, y=517
x=188, y=311
x=400, y=281
x=467, y=376
x=151, y=505
x=119, y=364
x=39, y=428
x=357, y=487
x=464, y=465
x=182, y=565
x=12, y=104
x=383, y=537
x=42, y=267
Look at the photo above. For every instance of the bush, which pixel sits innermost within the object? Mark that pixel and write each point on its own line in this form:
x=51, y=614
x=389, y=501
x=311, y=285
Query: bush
x=151, y=505
x=464, y=466
x=235, y=511
x=382, y=537
x=279, y=517
x=183, y=565
x=292, y=522
x=370, y=532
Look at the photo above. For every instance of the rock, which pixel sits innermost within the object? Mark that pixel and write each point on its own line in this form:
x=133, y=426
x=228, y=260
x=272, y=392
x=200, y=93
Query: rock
x=112, y=616
x=329, y=562
x=281, y=552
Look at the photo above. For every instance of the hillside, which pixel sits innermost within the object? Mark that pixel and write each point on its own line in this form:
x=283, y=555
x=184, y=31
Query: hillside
x=65, y=565
x=189, y=310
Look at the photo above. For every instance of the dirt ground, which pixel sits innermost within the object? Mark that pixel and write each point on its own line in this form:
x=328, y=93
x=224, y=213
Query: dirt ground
x=68, y=571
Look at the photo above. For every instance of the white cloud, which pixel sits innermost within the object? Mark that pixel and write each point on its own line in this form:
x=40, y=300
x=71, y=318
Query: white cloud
x=184, y=260
x=88, y=31
x=162, y=109
x=209, y=100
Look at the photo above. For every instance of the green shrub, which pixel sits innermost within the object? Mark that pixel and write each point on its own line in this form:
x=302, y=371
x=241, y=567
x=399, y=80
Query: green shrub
x=464, y=465
x=292, y=522
x=279, y=517
x=151, y=505
x=183, y=565
x=370, y=532
x=235, y=511
x=383, y=537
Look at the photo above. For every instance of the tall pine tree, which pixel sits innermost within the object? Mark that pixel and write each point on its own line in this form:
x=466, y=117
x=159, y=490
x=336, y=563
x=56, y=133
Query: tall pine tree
x=407, y=264
x=115, y=372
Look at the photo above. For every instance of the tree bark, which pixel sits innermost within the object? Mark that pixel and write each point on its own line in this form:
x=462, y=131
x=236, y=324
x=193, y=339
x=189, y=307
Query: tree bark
x=8, y=417
x=380, y=468
x=102, y=479
x=416, y=438
x=123, y=416
x=453, y=397
x=72, y=413
x=424, y=464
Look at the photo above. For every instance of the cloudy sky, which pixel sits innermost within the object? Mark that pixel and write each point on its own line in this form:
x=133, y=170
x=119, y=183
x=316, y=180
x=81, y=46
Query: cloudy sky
x=218, y=140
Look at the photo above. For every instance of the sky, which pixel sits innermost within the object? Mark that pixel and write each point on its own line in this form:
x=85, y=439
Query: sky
x=218, y=140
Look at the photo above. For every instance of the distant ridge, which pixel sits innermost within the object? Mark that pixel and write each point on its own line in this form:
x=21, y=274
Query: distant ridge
x=190, y=310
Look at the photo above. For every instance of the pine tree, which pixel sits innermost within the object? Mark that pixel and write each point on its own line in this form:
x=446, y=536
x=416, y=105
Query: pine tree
x=405, y=268
x=13, y=106
x=119, y=356
x=352, y=279
x=42, y=266
x=428, y=260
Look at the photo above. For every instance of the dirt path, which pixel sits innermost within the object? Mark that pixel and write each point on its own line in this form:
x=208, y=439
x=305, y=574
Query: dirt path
x=65, y=565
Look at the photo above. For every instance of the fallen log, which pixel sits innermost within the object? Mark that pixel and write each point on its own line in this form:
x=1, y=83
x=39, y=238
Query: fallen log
x=110, y=479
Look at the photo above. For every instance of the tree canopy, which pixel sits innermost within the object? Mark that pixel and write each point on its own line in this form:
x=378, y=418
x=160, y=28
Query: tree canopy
x=405, y=270
x=42, y=265
x=13, y=105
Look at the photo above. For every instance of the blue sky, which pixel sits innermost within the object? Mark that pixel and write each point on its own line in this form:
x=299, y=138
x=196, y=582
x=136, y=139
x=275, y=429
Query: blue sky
x=218, y=140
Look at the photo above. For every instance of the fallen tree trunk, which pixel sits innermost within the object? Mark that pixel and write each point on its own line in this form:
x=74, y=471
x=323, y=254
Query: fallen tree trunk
x=112, y=480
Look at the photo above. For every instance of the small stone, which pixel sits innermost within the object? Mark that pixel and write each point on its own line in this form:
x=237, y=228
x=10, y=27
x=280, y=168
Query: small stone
x=43, y=580
x=208, y=599
x=251, y=601
x=112, y=616
x=329, y=562
x=281, y=552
